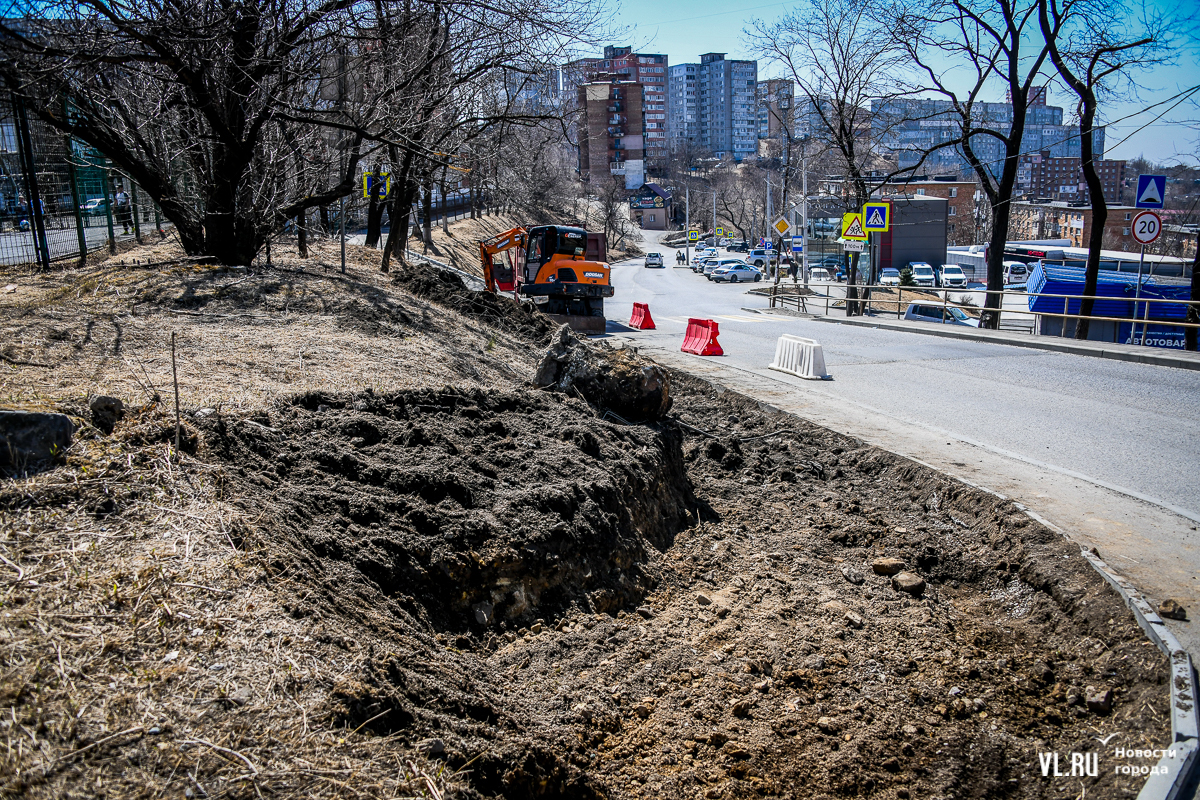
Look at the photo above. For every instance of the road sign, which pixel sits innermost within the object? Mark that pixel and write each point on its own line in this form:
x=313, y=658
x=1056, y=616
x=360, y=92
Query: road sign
x=1147, y=226
x=380, y=185
x=782, y=226
x=693, y=236
x=852, y=227
x=720, y=231
x=797, y=244
x=1150, y=191
x=853, y=247
x=876, y=217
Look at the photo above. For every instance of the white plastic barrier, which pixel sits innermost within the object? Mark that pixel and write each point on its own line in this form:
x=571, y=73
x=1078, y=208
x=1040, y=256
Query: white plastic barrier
x=801, y=357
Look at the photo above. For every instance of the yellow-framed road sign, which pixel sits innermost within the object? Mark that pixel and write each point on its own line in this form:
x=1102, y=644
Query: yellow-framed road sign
x=877, y=217
x=852, y=227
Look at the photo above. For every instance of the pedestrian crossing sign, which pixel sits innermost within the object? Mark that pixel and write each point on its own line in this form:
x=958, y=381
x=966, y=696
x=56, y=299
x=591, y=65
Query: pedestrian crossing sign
x=876, y=218
x=693, y=236
x=852, y=227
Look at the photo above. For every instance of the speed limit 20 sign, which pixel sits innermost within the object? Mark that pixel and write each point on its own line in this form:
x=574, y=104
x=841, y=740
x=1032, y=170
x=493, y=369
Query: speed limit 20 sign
x=1146, y=227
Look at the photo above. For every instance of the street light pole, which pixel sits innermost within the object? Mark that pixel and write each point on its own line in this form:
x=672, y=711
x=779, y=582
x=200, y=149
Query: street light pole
x=687, y=223
x=804, y=208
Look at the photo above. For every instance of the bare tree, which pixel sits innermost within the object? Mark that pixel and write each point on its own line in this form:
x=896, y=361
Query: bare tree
x=1097, y=46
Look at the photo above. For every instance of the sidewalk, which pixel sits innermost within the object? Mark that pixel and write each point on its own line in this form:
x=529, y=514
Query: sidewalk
x=1179, y=359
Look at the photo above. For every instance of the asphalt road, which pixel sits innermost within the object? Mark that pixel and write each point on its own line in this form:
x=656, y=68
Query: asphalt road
x=1108, y=450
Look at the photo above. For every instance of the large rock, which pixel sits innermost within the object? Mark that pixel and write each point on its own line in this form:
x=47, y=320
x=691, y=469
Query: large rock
x=30, y=439
x=909, y=582
x=106, y=412
x=630, y=386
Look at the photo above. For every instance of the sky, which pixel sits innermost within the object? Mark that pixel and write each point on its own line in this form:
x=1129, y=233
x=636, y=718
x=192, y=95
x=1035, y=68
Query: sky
x=683, y=29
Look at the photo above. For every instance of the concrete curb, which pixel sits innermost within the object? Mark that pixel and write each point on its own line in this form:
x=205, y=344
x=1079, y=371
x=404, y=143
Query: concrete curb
x=1117, y=352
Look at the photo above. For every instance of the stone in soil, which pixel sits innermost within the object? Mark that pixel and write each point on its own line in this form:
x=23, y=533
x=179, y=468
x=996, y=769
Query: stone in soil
x=887, y=566
x=908, y=582
x=29, y=439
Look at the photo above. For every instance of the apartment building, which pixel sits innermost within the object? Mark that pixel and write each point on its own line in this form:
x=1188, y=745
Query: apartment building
x=682, y=120
x=1045, y=176
x=774, y=108
x=649, y=71
x=611, y=138
x=725, y=93
x=1035, y=221
x=909, y=128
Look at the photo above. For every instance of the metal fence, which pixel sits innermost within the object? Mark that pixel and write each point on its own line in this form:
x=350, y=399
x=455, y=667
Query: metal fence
x=60, y=199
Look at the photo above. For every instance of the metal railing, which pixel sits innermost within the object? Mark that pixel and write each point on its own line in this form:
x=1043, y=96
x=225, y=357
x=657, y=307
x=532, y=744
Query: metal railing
x=880, y=297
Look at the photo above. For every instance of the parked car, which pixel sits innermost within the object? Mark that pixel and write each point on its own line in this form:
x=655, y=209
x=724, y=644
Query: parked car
x=706, y=266
x=922, y=273
x=1015, y=272
x=820, y=275
x=714, y=264
x=951, y=276
x=655, y=260
x=889, y=276
x=737, y=272
x=927, y=313
x=724, y=242
x=738, y=247
x=761, y=258
x=95, y=206
x=703, y=253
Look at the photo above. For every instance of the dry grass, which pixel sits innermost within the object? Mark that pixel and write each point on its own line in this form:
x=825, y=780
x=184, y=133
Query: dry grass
x=143, y=647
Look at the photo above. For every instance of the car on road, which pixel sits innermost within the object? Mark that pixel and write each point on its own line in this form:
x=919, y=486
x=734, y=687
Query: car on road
x=655, y=260
x=724, y=242
x=1015, y=272
x=703, y=253
x=948, y=315
x=922, y=273
x=890, y=276
x=820, y=275
x=951, y=276
x=737, y=272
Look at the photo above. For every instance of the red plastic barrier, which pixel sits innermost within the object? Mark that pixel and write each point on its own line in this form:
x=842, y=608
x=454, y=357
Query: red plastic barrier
x=701, y=338
x=641, y=318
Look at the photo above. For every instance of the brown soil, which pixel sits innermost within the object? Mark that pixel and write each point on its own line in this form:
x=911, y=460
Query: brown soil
x=349, y=587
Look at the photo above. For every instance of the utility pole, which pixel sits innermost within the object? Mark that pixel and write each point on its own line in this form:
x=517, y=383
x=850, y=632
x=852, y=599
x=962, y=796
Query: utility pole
x=804, y=207
x=687, y=223
x=714, y=229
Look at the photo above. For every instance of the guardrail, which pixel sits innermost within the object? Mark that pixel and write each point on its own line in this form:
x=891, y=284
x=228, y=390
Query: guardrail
x=920, y=294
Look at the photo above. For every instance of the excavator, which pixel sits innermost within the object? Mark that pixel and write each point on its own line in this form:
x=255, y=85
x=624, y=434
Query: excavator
x=561, y=269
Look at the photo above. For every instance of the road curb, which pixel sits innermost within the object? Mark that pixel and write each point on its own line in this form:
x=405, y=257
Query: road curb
x=1115, y=352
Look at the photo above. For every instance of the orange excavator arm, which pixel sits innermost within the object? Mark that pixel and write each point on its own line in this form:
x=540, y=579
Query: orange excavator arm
x=506, y=280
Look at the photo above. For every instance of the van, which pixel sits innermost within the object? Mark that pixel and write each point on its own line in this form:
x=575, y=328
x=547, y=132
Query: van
x=1015, y=272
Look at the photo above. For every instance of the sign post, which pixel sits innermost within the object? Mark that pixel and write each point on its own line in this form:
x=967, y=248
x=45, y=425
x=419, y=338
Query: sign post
x=1147, y=227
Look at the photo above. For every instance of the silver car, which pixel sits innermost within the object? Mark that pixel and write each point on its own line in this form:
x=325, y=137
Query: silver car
x=713, y=264
x=737, y=272
x=655, y=260
x=948, y=315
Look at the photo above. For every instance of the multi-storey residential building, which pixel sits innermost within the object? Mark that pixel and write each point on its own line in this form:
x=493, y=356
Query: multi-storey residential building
x=611, y=138
x=774, y=107
x=725, y=94
x=908, y=128
x=682, y=119
x=1034, y=221
x=1041, y=175
x=648, y=70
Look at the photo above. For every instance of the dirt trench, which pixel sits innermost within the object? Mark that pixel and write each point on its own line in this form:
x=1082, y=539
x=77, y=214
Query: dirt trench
x=574, y=607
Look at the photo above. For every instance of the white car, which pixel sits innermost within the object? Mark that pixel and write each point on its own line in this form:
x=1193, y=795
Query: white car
x=654, y=260
x=820, y=275
x=922, y=273
x=889, y=276
x=952, y=276
x=714, y=264
x=737, y=272
x=1015, y=272
x=703, y=253
x=948, y=315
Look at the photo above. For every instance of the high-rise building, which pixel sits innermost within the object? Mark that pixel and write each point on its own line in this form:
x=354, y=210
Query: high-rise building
x=649, y=71
x=725, y=103
x=682, y=122
x=909, y=127
x=611, y=139
x=775, y=101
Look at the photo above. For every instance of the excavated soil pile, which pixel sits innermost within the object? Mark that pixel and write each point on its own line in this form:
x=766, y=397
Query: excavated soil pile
x=448, y=290
x=839, y=622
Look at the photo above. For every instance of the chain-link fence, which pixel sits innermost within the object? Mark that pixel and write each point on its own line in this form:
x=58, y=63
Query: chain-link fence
x=59, y=198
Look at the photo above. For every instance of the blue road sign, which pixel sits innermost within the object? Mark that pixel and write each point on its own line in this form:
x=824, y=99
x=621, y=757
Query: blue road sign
x=797, y=244
x=1150, y=191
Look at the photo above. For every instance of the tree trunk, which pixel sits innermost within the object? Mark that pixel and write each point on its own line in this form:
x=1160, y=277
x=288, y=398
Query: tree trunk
x=374, y=212
x=445, y=205
x=1193, y=312
x=427, y=222
x=403, y=190
x=325, y=229
x=302, y=234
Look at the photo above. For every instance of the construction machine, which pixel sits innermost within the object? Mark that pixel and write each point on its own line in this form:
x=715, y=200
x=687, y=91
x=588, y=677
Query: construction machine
x=560, y=268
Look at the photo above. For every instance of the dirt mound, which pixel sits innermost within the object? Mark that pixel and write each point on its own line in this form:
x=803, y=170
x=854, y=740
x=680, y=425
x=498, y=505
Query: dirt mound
x=463, y=508
x=447, y=289
x=619, y=382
